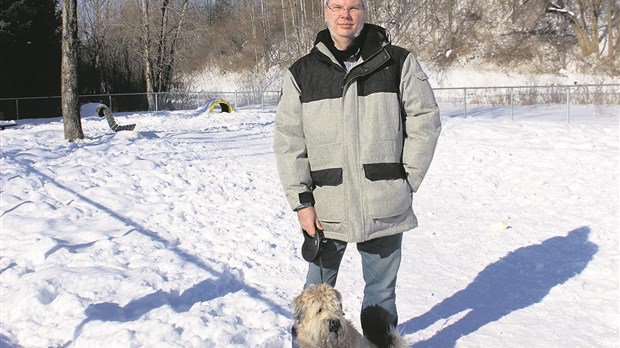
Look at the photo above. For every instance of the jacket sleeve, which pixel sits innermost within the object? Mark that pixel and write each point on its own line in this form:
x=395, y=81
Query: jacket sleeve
x=422, y=124
x=290, y=146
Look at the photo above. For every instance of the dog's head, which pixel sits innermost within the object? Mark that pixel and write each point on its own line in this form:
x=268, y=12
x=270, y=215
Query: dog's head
x=318, y=314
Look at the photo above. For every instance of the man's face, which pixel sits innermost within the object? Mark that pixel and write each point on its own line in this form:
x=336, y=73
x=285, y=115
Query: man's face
x=345, y=20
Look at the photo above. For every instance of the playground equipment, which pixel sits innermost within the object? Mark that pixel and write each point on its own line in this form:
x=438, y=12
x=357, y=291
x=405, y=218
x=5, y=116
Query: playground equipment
x=216, y=104
x=104, y=111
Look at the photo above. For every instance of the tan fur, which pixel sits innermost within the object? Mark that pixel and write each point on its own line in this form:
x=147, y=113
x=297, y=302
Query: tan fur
x=314, y=308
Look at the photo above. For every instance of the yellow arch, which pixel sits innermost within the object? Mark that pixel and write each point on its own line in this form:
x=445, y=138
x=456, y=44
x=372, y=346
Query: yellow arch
x=225, y=106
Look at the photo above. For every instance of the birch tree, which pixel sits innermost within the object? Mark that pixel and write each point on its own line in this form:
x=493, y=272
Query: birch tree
x=146, y=54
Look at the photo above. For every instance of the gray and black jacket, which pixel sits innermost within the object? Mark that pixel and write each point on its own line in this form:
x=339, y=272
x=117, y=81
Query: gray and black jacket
x=356, y=144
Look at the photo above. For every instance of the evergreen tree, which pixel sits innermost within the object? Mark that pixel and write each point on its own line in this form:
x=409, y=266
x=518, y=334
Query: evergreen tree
x=30, y=53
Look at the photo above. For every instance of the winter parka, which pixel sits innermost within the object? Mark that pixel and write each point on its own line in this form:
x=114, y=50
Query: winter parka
x=356, y=144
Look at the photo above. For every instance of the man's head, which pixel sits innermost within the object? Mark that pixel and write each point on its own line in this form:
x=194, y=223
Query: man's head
x=345, y=20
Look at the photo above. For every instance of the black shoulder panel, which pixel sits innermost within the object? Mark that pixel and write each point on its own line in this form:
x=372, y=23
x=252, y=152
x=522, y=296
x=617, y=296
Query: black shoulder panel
x=317, y=78
x=386, y=79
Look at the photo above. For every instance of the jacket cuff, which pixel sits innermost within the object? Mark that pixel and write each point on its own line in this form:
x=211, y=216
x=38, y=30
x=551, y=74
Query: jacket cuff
x=302, y=206
x=414, y=182
x=306, y=198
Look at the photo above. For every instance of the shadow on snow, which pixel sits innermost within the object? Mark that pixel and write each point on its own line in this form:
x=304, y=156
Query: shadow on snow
x=223, y=283
x=518, y=280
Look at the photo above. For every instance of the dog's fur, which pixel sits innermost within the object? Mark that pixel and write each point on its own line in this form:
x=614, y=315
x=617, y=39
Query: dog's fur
x=320, y=322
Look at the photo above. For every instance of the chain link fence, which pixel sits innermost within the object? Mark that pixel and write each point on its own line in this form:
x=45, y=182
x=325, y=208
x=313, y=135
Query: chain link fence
x=465, y=98
x=512, y=97
x=41, y=107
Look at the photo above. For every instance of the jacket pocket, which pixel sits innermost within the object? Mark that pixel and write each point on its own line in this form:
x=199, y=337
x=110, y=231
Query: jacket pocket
x=384, y=171
x=327, y=177
x=328, y=194
x=387, y=191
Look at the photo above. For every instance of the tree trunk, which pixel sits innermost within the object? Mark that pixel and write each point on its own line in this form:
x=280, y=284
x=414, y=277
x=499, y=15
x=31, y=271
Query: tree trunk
x=587, y=39
x=450, y=32
x=161, y=50
x=611, y=30
x=294, y=26
x=146, y=55
x=254, y=34
x=595, y=12
x=69, y=71
x=284, y=25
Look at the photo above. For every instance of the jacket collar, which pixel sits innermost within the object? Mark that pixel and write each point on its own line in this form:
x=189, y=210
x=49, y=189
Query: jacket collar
x=373, y=37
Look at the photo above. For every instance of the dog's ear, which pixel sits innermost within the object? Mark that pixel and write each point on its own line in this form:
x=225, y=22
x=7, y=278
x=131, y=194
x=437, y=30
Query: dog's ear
x=339, y=297
x=297, y=308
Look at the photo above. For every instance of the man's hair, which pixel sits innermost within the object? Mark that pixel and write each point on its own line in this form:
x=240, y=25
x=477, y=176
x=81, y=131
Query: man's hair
x=364, y=3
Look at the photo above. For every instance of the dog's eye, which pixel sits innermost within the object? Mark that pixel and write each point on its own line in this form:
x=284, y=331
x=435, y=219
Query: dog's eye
x=320, y=310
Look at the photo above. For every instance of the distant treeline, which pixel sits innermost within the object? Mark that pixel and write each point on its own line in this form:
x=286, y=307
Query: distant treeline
x=154, y=46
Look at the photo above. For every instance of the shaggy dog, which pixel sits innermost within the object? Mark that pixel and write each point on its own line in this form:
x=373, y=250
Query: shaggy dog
x=320, y=322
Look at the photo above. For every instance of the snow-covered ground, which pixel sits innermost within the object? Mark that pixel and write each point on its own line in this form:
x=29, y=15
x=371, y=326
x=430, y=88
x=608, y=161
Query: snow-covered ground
x=178, y=235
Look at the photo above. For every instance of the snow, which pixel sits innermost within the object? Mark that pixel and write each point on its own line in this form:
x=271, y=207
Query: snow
x=177, y=234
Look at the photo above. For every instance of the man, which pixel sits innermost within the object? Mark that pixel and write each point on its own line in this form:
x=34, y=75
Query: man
x=355, y=133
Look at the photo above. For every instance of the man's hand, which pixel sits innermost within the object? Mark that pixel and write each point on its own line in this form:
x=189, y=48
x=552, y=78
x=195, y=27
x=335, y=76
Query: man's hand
x=308, y=220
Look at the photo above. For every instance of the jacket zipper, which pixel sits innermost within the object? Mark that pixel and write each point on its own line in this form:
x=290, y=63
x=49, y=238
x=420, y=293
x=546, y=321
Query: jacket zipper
x=360, y=173
x=345, y=86
x=346, y=75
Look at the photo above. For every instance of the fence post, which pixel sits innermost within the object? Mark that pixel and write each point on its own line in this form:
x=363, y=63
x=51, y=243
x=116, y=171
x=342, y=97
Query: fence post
x=17, y=108
x=156, y=102
x=465, y=102
x=110, y=101
x=568, y=104
x=512, y=111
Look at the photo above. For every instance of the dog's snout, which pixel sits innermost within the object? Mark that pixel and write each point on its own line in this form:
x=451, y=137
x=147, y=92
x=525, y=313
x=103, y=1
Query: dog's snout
x=334, y=325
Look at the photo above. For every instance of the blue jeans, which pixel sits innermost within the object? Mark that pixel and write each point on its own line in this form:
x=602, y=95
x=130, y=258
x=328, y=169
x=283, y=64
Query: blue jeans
x=380, y=264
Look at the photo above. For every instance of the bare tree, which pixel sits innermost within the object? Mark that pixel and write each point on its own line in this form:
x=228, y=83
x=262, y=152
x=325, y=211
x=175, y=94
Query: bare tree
x=93, y=30
x=69, y=71
x=174, y=38
x=146, y=54
x=585, y=18
x=160, y=44
x=613, y=28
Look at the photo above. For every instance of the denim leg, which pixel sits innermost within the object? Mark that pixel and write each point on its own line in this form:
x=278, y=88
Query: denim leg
x=380, y=263
x=333, y=251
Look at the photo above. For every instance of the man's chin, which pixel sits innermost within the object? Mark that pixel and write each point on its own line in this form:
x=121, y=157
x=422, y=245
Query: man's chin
x=348, y=32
